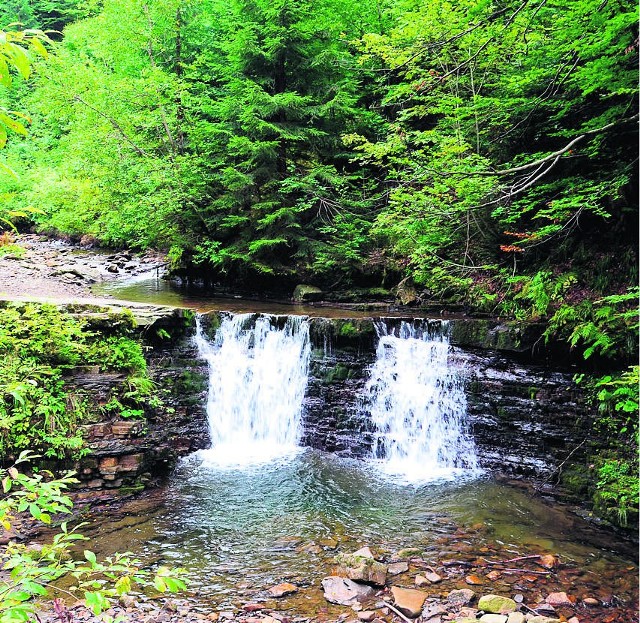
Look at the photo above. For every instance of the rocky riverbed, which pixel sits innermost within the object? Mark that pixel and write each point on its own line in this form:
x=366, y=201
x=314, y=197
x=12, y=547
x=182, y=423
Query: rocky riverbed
x=38, y=268
x=406, y=588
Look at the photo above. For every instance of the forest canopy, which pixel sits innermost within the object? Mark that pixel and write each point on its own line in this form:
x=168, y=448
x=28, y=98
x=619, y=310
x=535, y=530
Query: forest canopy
x=481, y=152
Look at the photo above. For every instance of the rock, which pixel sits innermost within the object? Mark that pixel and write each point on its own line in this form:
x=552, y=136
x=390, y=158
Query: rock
x=406, y=293
x=461, y=597
x=366, y=615
x=431, y=577
x=397, y=567
x=515, y=617
x=496, y=604
x=559, y=599
x=408, y=600
x=473, y=580
x=542, y=619
x=493, y=575
x=345, y=592
x=364, y=552
x=253, y=607
x=548, y=561
x=574, y=620
x=432, y=611
x=408, y=552
x=493, y=618
x=361, y=568
x=280, y=590
x=590, y=601
x=421, y=581
x=303, y=293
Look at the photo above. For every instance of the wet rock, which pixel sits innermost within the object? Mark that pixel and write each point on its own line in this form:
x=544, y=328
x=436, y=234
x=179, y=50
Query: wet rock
x=408, y=552
x=396, y=568
x=433, y=611
x=362, y=567
x=548, y=561
x=591, y=602
x=306, y=293
x=431, y=577
x=473, y=580
x=366, y=615
x=559, y=600
x=461, y=597
x=496, y=604
x=280, y=590
x=408, y=600
x=253, y=607
x=493, y=618
x=345, y=592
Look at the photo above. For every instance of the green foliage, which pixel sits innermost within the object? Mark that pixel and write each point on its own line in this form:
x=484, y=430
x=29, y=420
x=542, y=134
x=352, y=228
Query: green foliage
x=40, y=345
x=617, y=494
x=32, y=572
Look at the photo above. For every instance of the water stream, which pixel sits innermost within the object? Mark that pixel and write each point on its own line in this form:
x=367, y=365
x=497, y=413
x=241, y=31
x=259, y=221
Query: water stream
x=257, y=377
x=417, y=404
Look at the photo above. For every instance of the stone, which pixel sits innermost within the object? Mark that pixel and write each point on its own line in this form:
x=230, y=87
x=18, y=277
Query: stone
x=432, y=577
x=253, y=607
x=408, y=552
x=543, y=619
x=421, y=581
x=473, y=580
x=345, y=592
x=461, y=597
x=559, y=599
x=396, y=568
x=432, y=611
x=590, y=601
x=496, y=604
x=304, y=293
x=493, y=618
x=408, y=600
x=364, y=552
x=361, y=568
x=516, y=617
x=280, y=590
x=366, y=615
x=548, y=561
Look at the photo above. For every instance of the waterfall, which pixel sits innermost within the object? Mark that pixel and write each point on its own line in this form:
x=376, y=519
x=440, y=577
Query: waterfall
x=258, y=369
x=416, y=403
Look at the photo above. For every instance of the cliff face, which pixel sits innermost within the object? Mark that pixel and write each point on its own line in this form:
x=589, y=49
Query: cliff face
x=525, y=418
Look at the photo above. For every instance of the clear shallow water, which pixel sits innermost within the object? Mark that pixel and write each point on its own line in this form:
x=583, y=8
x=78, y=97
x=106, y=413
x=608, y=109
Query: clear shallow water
x=240, y=530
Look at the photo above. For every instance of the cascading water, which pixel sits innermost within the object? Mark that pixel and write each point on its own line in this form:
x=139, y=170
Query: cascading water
x=417, y=404
x=258, y=372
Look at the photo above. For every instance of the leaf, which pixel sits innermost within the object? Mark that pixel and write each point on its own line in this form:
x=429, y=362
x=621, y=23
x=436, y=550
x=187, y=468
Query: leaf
x=96, y=601
x=159, y=584
x=90, y=556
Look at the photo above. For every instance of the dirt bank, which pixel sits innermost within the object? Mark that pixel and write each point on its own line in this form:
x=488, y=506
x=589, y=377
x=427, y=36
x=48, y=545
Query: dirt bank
x=38, y=268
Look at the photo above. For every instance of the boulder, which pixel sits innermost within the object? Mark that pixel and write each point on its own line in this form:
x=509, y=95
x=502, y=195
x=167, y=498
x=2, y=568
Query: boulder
x=397, y=567
x=362, y=568
x=304, y=293
x=493, y=618
x=461, y=597
x=280, y=590
x=496, y=604
x=559, y=599
x=345, y=592
x=408, y=600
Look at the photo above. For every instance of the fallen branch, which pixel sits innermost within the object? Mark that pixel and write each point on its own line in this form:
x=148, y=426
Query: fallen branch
x=457, y=563
x=394, y=609
x=505, y=562
x=526, y=571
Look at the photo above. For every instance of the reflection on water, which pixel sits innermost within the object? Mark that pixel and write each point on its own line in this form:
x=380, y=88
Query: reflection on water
x=151, y=288
x=287, y=520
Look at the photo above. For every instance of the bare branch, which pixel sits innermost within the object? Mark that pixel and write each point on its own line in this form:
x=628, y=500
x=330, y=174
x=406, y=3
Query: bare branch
x=115, y=124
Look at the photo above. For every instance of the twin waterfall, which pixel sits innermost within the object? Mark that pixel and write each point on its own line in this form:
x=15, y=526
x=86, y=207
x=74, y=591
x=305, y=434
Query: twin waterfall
x=257, y=378
x=417, y=404
x=258, y=373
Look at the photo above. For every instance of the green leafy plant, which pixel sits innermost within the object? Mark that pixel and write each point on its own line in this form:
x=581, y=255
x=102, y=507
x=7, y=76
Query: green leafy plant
x=33, y=572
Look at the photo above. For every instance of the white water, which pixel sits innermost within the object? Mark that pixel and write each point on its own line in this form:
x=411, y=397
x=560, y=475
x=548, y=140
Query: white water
x=417, y=404
x=257, y=379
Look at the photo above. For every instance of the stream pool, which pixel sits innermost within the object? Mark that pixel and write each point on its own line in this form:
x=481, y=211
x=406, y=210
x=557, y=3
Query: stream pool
x=238, y=531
